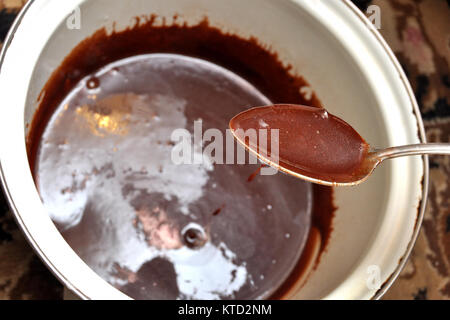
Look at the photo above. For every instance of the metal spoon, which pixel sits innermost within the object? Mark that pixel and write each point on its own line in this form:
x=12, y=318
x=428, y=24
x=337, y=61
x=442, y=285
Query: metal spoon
x=379, y=155
x=295, y=120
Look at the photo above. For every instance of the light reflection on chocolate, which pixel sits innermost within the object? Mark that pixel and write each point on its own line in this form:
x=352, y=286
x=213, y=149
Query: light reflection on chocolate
x=109, y=115
x=160, y=233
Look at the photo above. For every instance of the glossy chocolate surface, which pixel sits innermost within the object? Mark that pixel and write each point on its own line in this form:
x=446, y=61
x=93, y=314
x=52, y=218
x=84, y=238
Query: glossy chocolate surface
x=100, y=147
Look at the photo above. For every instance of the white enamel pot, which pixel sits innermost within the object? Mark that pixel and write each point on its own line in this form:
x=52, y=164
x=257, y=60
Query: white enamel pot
x=330, y=43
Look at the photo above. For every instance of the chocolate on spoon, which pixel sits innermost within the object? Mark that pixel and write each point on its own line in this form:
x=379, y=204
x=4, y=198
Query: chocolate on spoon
x=315, y=145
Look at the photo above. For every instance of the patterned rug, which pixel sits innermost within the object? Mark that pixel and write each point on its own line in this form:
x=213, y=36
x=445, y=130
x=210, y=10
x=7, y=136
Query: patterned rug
x=419, y=33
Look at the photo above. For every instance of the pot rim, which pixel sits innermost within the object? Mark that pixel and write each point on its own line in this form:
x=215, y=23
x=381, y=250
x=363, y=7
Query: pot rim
x=422, y=135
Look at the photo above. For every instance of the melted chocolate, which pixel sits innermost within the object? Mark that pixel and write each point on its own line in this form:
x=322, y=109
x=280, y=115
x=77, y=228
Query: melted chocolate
x=312, y=142
x=99, y=148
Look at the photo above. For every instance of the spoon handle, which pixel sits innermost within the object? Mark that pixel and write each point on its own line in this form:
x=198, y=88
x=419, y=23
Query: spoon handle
x=413, y=150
